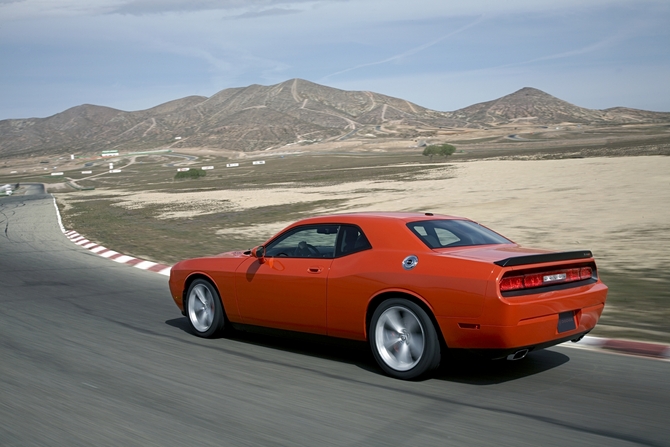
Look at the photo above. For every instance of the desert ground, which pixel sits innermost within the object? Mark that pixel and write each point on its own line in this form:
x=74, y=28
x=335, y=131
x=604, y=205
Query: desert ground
x=617, y=207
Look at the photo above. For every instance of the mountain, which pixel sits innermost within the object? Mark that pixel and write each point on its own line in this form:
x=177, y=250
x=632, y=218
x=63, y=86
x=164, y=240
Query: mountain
x=532, y=104
x=259, y=117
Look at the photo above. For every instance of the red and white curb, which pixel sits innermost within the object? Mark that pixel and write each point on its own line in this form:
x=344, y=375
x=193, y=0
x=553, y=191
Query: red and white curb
x=116, y=256
x=629, y=347
x=98, y=249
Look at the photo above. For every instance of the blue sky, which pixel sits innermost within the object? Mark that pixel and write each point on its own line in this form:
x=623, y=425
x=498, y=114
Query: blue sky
x=441, y=54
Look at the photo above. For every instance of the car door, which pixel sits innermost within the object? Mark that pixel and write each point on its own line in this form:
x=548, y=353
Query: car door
x=287, y=288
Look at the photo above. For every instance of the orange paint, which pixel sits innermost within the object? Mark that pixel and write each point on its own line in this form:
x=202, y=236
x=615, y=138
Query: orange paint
x=457, y=286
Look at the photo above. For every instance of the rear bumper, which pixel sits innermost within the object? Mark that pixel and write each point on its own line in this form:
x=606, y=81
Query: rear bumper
x=495, y=354
x=531, y=333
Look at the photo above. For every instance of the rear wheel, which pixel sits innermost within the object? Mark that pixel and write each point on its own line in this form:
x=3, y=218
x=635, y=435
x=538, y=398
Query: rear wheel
x=403, y=339
x=204, y=310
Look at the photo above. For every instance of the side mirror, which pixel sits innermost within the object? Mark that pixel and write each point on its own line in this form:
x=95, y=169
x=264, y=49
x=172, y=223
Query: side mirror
x=259, y=253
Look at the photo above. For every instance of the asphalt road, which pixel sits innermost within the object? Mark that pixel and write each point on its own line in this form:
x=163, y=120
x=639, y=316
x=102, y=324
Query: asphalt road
x=94, y=353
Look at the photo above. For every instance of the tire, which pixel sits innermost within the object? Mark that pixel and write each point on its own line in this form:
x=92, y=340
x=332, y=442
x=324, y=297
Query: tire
x=204, y=310
x=403, y=339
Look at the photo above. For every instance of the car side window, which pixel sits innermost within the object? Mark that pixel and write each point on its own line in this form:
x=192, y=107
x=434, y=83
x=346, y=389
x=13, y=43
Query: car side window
x=313, y=241
x=352, y=240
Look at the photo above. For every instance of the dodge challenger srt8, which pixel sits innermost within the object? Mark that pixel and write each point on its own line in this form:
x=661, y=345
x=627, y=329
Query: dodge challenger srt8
x=410, y=284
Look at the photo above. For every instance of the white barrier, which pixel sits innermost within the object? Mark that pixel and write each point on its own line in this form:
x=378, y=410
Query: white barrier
x=56, y=173
x=207, y=168
x=183, y=169
x=232, y=165
x=259, y=162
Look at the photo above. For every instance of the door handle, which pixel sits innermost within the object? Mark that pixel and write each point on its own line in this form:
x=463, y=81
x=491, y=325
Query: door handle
x=314, y=269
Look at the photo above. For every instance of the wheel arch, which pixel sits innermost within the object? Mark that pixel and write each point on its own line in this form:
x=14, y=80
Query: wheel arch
x=380, y=298
x=187, y=285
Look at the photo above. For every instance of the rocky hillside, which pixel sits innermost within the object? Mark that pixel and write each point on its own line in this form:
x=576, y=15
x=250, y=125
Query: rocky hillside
x=536, y=106
x=259, y=117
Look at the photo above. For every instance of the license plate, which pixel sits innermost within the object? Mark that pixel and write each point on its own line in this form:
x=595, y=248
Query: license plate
x=566, y=321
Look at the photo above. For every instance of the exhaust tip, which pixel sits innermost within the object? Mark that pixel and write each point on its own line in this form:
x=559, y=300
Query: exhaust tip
x=518, y=355
x=575, y=340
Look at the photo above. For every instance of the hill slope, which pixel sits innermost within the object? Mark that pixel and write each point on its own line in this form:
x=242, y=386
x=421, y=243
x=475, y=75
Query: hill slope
x=542, y=108
x=258, y=117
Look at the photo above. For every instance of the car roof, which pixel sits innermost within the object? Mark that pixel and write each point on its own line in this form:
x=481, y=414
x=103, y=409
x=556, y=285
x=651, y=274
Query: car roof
x=382, y=229
x=374, y=216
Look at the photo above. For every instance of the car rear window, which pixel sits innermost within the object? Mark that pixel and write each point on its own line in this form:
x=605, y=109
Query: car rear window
x=454, y=233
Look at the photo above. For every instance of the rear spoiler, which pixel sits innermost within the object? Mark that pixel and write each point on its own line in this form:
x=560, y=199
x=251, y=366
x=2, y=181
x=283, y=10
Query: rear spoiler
x=545, y=257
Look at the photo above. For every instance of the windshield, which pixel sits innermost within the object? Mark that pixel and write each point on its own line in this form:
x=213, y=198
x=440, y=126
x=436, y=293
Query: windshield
x=454, y=233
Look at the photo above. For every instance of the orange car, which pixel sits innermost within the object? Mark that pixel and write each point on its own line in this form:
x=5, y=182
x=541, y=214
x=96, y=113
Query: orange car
x=411, y=284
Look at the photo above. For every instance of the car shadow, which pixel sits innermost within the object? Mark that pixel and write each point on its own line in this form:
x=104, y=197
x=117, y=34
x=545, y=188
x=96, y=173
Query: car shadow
x=336, y=349
x=469, y=368
x=456, y=366
x=179, y=323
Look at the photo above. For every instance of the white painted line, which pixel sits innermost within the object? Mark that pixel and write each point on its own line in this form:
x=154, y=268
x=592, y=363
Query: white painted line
x=109, y=254
x=91, y=245
x=165, y=271
x=123, y=259
x=592, y=341
x=82, y=242
x=77, y=238
x=144, y=265
x=588, y=342
x=60, y=222
x=98, y=249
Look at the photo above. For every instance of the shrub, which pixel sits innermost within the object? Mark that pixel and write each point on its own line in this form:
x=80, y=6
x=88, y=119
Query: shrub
x=439, y=149
x=190, y=174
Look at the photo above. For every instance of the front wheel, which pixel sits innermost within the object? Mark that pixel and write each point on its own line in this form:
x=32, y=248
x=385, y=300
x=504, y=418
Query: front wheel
x=204, y=309
x=403, y=339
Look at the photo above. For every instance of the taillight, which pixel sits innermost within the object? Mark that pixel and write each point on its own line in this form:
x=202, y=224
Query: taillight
x=540, y=279
x=511, y=283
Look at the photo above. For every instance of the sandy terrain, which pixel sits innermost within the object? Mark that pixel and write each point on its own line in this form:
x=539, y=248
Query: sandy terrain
x=617, y=207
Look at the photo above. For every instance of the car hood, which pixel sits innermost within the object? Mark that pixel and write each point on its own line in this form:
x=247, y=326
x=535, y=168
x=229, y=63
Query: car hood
x=233, y=254
x=230, y=259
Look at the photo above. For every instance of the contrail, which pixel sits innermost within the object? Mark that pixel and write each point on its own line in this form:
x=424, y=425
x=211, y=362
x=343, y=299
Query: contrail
x=408, y=52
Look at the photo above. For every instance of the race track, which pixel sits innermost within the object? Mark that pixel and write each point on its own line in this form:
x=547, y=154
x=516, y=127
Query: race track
x=95, y=353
